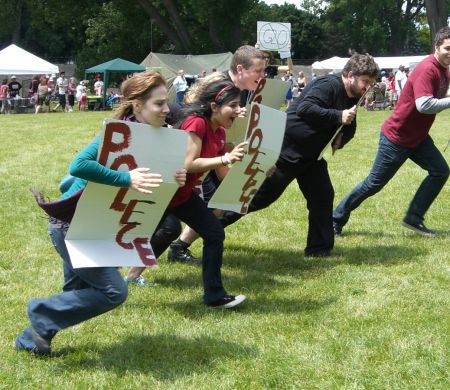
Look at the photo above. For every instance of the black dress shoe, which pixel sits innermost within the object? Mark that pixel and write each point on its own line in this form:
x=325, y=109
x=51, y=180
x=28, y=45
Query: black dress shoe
x=321, y=253
x=418, y=228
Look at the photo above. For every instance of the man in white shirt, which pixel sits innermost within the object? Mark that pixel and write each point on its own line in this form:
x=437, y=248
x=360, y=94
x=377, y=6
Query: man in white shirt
x=400, y=80
x=98, y=85
x=62, y=84
x=181, y=86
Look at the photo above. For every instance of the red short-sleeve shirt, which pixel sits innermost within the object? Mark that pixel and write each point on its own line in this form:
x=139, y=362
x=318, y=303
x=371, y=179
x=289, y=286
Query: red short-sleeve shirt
x=406, y=126
x=213, y=145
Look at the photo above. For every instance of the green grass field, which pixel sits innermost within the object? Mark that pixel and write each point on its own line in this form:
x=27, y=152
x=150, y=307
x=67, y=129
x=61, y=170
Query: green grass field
x=375, y=315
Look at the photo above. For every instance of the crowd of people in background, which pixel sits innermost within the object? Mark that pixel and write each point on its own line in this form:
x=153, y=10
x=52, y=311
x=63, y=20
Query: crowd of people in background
x=67, y=93
x=388, y=88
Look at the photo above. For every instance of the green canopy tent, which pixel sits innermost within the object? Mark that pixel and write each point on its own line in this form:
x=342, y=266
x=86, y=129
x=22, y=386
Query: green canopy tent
x=117, y=65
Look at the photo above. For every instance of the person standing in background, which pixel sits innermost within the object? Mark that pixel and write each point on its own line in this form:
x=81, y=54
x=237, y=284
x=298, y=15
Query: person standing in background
x=71, y=90
x=4, y=97
x=42, y=95
x=62, y=84
x=14, y=87
x=181, y=86
x=400, y=80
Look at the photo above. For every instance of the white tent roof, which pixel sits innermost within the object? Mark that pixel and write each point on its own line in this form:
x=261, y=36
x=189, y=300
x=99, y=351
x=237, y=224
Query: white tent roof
x=14, y=61
x=338, y=63
x=333, y=63
x=395, y=62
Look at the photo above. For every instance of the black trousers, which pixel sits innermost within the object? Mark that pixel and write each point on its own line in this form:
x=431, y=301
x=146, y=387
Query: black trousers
x=195, y=213
x=168, y=230
x=315, y=184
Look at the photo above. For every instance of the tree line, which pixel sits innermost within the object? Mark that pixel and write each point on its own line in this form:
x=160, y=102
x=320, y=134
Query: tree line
x=93, y=31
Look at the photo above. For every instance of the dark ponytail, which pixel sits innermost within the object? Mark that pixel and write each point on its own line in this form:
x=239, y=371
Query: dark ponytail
x=219, y=92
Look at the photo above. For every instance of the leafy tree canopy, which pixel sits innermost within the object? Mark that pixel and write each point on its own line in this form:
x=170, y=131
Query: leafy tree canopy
x=93, y=31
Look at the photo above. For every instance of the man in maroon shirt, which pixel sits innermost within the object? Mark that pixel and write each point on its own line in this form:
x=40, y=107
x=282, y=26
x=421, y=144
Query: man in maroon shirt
x=405, y=135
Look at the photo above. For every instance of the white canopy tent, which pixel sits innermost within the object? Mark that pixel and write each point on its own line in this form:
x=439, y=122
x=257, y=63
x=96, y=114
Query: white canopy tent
x=16, y=61
x=394, y=62
x=336, y=64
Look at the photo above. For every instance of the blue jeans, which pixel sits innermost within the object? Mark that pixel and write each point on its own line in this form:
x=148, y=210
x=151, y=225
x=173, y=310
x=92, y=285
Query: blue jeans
x=389, y=159
x=180, y=96
x=87, y=292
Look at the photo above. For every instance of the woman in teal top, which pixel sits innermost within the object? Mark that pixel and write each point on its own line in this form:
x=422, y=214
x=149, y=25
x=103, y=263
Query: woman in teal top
x=88, y=292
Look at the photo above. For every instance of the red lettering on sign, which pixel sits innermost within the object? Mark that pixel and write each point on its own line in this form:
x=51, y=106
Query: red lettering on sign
x=257, y=97
x=254, y=137
x=127, y=213
x=145, y=251
x=124, y=159
x=257, y=134
x=111, y=147
x=253, y=121
x=141, y=244
x=118, y=204
x=128, y=160
x=121, y=233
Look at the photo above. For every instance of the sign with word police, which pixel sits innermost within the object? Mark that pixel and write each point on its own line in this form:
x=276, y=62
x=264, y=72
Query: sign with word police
x=265, y=132
x=112, y=226
x=274, y=36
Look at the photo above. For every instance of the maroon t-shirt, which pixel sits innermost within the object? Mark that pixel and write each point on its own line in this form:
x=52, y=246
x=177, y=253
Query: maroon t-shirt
x=213, y=145
x=407, y=127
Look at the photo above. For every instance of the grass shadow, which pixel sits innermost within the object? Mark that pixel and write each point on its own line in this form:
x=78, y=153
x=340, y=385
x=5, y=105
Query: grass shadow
x=272, y=269
x=164, y=356
x=256, y=304
x=394, y=235
x=293, y=263
x=386, y=255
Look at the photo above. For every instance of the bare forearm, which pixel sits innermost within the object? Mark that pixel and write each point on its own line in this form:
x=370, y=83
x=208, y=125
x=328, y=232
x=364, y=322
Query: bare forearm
x=204, y=164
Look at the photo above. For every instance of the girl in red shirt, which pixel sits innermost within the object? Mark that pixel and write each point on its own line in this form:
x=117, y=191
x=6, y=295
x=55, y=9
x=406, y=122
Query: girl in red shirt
x=214, y=109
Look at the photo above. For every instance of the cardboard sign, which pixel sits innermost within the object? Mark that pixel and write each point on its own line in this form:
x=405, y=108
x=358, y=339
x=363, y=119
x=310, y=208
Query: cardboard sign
x=268, y=92
x=274, y=36
x=112, y=226
x=265, y=132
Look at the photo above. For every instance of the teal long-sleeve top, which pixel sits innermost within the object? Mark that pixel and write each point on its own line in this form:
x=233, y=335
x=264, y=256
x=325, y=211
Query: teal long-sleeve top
x=85, y=167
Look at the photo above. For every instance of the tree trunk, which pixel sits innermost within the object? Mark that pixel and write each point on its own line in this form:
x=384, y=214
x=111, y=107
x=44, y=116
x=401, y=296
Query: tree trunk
x=399, y=33
x=16, y=33
x=165, y=27
x=218, y=45
x=179, y=25
x=436, y=16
